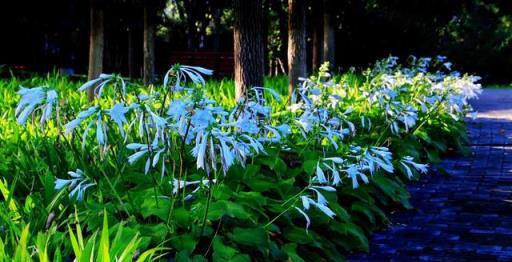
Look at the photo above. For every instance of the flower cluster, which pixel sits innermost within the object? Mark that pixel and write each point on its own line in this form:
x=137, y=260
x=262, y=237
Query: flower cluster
x=179, y=120
x=33, y=99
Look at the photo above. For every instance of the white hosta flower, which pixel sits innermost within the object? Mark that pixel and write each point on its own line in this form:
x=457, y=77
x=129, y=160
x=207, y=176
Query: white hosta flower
x=307, y=121
x=366, y=123
x=257, y=109
x=378, y=157
x=259, y=93
x=180, y=185
x=295, y=107
x=143, y=150
x=227, y=156
x=117, y=114
x=101, y=131
x=409, y=161
x=69, y=127
x=51, y=102
x=284, y=129
x=99, y=84
x=353, y=173
x=245, y=124
x=32, y=99
x=202, y=118
x=408, y=117
x=178, y=109
x=308, y=220
x=320, y=175
x=78, y=184
x=321, y=204
x=199, y=151
x=194, y=73
x=467, y=86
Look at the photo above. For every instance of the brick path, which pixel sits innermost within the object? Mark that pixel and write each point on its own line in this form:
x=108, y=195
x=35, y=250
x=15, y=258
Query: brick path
x=466, y=216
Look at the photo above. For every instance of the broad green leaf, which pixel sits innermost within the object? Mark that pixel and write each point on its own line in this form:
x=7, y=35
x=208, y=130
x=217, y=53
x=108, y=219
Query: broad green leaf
x=255, y=236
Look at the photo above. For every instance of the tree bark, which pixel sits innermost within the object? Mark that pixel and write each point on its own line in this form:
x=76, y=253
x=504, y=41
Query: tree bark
x=248, y=45
x=316, y=27
x=96, y=44
x=283, y=31
x=328, y=41
x=131, y=53
x=149, y=44
x=266, y=64
x=296, y=42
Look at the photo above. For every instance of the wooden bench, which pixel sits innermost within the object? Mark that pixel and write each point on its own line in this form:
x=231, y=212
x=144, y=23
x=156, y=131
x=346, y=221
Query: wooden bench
x=222, y=63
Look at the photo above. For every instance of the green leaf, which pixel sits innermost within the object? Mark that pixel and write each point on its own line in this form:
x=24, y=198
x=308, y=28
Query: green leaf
x=21, y=252
x=260, y=183
x=181, y=217
x=222, y=208
x=291, y=251
x=185, y=242
x=221, y=252
x=397, y=192
x=74, y=244
x=310, y=166
x=104, y=246
x=298, y=235
x=240, y=258
x=354, y=232
x=255, y=237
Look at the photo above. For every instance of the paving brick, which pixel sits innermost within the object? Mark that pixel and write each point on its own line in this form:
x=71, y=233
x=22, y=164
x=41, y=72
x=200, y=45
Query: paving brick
x=463, y=216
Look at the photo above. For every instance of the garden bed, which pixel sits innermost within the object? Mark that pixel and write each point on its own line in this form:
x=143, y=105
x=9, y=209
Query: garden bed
x=181, y=170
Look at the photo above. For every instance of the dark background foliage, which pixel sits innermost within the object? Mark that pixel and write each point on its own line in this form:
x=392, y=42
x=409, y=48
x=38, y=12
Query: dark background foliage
x=475, y=34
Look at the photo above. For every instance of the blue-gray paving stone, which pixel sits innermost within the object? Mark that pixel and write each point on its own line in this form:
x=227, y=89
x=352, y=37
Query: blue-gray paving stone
x=466, y=216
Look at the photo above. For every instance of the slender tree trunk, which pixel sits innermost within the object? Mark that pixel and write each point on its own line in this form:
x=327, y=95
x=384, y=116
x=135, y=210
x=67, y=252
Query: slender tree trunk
x=149, y=44
x=283, y=31
x=315, y=50
x=248, y=45
x=316, y=27
x=266, y=64
x=131, y=53
x=296, y=42
x=328, y=42
x=96, y=44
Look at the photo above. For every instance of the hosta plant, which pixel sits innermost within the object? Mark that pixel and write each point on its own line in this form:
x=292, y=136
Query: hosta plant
x=207, y=178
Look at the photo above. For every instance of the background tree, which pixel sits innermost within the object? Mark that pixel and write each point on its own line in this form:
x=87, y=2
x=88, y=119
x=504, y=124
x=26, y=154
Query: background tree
x=46, y=35
x=149, y=42
x=96, y=42
x=248, y=45
x=328, y=49
x=296, y=42
x=316, y=27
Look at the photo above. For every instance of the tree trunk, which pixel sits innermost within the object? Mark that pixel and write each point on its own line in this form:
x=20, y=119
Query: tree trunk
x=283, y=31
x=316, y=27
x=96, y=44
x=329, y=44
x=296, y=42
x=149, y=44
x=266, y=64
x=131, y=53
x=248, y=45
